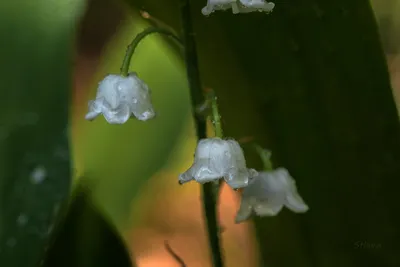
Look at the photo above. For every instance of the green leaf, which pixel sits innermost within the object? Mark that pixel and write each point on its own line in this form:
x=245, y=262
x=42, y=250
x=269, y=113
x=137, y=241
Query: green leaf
x=86, y=237
x=310, y=82
x=35, y=74
x=321, y=85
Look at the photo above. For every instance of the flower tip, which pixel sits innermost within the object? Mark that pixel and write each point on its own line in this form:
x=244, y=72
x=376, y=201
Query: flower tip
x=90, y=116
x=241, y=217
x=206, y=11
x=237, y=185
x=237, y=220
x=301, y=208
x=184, y=178
x=147, y=115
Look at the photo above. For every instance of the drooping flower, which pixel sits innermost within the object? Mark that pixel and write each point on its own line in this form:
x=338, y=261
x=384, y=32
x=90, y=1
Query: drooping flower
x=256, y=5
x=267, y=193
x=238, y=6
x=119, y=98
x=214, y=5
x=216, y=158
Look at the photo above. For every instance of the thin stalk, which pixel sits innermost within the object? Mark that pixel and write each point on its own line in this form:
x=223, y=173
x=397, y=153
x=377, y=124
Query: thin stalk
x=135, y=42
x=265, y=156
x=209, y=195
x=216, y=118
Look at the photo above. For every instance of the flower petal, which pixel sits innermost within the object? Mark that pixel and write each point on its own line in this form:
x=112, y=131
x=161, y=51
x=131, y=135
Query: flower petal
x=91, y=115
x=265, y=208
x=108, y=89
x=95, y=107
x=244, y=211
x=296, y=203
x=185, y=177
x=203, y=173
x=256, y=6
x=119, y=115
x=237, y=178
x=137, y=95
x=147, y=115
x=213, y=5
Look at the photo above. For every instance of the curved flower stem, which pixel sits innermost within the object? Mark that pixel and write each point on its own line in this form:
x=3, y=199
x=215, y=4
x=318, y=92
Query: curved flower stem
x=209, y=192
x=135, y=42
x=216, y=118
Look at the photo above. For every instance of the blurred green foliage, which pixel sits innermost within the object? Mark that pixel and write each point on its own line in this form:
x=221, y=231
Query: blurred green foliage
x=35, y=72
x=85, y=237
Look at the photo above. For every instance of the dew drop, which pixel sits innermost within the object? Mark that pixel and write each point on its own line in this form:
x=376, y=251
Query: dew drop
x=38, y=175
x=22, y=219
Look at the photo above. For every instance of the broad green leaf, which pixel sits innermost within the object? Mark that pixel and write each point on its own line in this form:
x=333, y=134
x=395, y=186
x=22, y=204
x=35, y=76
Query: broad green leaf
x=86, y=237
x=35, y=74
x=122, y=157
x=323, y=89
x=310, y=82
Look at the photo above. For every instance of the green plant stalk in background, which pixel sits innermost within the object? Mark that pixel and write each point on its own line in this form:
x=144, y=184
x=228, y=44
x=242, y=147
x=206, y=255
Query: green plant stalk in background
x=209, y=196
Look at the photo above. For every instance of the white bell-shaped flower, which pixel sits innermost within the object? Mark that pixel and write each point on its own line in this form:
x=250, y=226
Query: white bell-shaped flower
x=255, y=5
x=214, y=5
x=237, y=6
x=267, y=193
x=119, y=98
x=216, y=158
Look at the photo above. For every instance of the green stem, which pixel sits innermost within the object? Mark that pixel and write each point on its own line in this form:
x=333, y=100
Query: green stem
x=265, y=156
x=216, y=118
x=209, y=195
x=135, y=42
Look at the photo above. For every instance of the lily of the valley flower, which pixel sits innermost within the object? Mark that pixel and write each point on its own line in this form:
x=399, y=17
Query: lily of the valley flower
x=214, y=5
x=256, y=5
x=216, y=158
x=118, y=98
x=267, y=193
x=238, y=6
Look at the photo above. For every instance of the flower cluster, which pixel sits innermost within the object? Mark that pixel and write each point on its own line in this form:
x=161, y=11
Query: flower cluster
x=238, y=6
x=264, y=193
x=120, y=97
